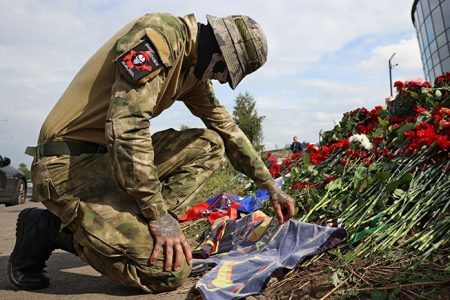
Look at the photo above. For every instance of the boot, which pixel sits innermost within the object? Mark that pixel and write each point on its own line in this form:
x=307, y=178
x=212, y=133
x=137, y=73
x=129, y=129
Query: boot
x=37, y=235
x=199, y=267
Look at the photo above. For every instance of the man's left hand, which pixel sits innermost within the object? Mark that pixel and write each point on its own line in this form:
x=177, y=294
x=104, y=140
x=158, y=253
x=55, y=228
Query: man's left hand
x=170, y=239
x=283, y=204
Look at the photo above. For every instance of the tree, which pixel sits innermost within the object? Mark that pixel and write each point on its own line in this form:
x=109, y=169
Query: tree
x=24, y=169
x=246, y=117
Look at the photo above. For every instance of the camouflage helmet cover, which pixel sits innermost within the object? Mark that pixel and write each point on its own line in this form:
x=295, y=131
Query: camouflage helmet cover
x=243, y=45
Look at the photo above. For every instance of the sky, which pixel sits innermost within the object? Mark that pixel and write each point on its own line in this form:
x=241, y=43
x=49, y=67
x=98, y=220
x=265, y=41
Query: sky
x=325, y=58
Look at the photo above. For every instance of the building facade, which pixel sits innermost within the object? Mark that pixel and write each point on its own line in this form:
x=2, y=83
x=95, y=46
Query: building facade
x=431, y=18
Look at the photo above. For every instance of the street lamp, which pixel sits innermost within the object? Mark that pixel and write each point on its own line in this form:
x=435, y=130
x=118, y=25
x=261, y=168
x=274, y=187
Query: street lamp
x=391, y=66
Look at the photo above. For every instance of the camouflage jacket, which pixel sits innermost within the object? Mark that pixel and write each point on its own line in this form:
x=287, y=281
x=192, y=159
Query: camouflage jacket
x=98, y=93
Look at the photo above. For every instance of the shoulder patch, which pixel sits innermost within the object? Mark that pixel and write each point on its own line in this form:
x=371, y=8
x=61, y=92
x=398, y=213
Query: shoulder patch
x=140, y=63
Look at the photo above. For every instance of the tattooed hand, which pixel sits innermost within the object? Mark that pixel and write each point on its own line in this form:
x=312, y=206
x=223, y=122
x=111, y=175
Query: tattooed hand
x=168, y=236
x=283, y=204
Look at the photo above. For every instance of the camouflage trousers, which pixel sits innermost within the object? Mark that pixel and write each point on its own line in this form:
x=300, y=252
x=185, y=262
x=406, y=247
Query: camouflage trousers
x=110, y=233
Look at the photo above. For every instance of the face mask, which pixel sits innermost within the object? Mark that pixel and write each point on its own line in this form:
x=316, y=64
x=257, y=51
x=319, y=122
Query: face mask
x=210, y=62
x=217, y=69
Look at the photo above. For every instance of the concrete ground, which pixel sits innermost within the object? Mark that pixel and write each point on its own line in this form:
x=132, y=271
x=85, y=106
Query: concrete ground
x=70, y=277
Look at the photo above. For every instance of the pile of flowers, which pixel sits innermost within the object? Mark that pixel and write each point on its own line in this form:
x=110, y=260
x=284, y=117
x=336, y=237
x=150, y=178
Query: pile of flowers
x=384, y=172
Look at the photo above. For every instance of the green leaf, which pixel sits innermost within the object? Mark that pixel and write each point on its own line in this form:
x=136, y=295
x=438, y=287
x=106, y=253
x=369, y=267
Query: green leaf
x=294, y=172
x=414, y=95
x=383, y=122
x=373, y=167
x=379, y=131
x=312, y=170
x=361, y=173
x=367, y=232
x=334, y=185
x=306, y=159
x=424, y=117
x=383, y=175
x=391, y=186
x=360, y=178
x=404, y=128
x=406, y=178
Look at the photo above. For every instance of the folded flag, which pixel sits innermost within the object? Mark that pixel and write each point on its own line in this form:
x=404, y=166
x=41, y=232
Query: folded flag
x=226, y=204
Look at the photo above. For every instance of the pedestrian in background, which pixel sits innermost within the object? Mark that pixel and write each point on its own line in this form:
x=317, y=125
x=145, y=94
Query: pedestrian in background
x=296, y=146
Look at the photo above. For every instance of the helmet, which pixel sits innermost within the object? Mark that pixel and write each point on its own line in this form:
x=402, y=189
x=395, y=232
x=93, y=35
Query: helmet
x=243, y=45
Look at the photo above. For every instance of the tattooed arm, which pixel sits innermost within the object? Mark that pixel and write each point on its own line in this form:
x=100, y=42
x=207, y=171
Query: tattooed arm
x=168, y=236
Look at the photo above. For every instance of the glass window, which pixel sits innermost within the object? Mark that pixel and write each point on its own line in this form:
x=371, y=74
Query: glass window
x=433, y=4
x=437, y=21
x=441, y=40
x=438, y=70
x=433, y=47
x=430, y=30
x=419, y=38
x=424, y=37
x=419, y=15
x=427, y=53
x=445, y=6
x=445, y=65
x=429, y=65
x=425, y=8
x=430, y=76
x=435, y=59
x=443, y=52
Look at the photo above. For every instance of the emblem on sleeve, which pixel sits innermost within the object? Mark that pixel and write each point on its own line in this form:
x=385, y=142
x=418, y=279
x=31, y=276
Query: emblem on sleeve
x=139, y=62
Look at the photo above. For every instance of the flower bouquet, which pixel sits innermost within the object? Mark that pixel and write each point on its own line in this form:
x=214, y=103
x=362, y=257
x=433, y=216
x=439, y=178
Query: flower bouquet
x=384, y=172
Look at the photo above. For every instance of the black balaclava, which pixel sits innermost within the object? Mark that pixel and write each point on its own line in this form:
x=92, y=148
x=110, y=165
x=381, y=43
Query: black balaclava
x=210, y=63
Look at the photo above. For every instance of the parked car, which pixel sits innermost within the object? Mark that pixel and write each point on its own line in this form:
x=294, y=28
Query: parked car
x=13, y=184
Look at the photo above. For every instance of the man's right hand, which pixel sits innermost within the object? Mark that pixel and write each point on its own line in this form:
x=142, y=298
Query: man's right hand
x=168, y=236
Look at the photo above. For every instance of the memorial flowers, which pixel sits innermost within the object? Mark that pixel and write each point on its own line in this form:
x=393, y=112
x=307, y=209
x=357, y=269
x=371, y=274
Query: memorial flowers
x=384, y=172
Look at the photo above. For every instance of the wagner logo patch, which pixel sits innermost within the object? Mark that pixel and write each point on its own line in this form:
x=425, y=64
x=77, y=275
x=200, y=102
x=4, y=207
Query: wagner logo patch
x=138, y=62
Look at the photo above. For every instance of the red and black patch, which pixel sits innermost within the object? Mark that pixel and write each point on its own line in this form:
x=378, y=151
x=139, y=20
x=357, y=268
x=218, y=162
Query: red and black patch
x=139, y=62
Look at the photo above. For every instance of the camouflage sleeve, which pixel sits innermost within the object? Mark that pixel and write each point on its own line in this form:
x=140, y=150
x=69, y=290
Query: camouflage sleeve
x=238, y=148
x=132, y=104
x=130, y=145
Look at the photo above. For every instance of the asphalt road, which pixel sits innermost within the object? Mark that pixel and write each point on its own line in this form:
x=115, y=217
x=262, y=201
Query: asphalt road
x=70, y=277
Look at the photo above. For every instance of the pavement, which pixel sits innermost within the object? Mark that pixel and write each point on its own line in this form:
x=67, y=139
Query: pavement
x=70, y=277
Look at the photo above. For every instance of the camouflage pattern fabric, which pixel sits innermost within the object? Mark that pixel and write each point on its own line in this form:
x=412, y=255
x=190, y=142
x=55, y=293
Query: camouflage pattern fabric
x=243, y=45
x=132, y=107
x=110, y=232
x=97, y=93
x=110, y=197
